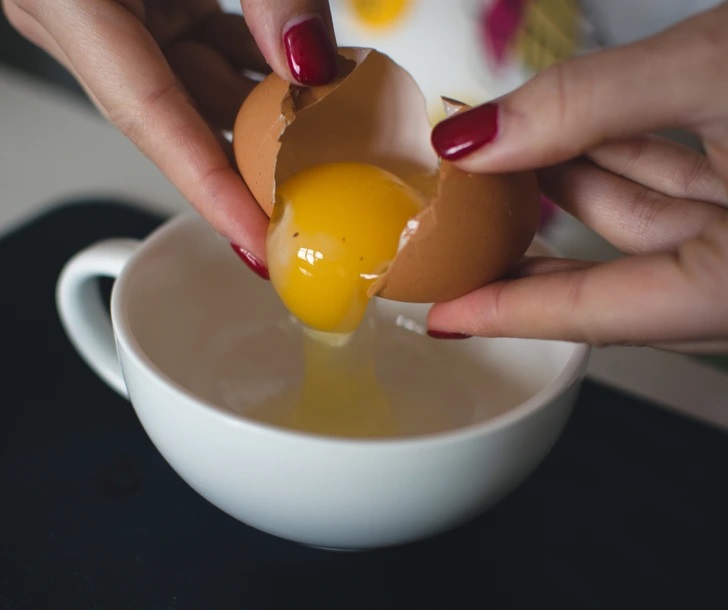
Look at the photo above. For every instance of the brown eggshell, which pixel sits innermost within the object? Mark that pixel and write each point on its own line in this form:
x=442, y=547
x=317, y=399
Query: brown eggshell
x=374, y=113
x=475, y=226
x=262, y=119
x=474, y=229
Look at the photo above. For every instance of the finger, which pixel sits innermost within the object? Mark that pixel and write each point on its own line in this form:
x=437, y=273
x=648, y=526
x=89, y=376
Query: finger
x=29, y=27
x=296, y=37
x=667, y=297
x=662, y=165
x=210, y=80
x=633, y=217
x=124, y=67
x=538, y=265
x=230, y=36
x=676, y=79
x=695, y=347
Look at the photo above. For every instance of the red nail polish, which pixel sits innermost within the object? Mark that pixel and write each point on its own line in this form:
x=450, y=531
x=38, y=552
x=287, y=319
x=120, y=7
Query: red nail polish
x=458, y=136
x=251, y=261
x=441, y=334
x=311, y=54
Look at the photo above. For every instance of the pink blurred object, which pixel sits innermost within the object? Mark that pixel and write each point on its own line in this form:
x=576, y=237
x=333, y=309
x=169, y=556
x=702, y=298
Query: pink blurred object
x=499, y=26
x=548, y=212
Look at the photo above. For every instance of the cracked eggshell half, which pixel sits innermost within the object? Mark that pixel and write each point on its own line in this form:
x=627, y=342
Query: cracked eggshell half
x=475, y=226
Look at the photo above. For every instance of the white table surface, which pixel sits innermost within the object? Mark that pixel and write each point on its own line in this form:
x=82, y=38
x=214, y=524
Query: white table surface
x=55, y=148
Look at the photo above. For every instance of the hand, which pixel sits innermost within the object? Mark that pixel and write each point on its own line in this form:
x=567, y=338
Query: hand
x=664, y=205
x=169, y=75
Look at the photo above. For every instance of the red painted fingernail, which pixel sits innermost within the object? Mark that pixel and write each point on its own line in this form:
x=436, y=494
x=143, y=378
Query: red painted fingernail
x=441, y=334
x=458, y=136
x=251, y=261
x=310, y=52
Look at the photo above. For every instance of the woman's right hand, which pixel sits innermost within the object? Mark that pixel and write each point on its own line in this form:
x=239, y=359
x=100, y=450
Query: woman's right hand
x=582, y=124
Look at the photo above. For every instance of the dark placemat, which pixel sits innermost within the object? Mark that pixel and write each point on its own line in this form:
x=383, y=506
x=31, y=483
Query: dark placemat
x=630, y=510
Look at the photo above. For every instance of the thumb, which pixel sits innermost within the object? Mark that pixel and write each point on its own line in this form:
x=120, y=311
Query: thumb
x=678, y=78
x=296, y=38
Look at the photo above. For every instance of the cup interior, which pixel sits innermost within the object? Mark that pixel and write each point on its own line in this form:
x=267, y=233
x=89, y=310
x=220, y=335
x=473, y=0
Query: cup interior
x=198, y=318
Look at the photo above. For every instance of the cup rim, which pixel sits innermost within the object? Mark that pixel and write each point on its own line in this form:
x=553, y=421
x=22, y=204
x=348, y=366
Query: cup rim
x=559, y=384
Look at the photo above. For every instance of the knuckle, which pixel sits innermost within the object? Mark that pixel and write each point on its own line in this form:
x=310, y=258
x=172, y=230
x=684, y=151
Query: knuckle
x=708, y=49
x=646, y=206
x=702, y=268
x=575, y=302
x=637, y=150
x=493, y=320
x=13, y=12
x=566, y=91
x=575, y=92
x=714, y=40
x=485, y=317
x=135, y=7
x=21, y=18
x=27, y=6
x=705, y=261
x=557, y=82
x=138, y=120
x=695, y=176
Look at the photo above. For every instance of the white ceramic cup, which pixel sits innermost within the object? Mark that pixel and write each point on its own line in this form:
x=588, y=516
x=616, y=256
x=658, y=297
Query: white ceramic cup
x=182, y=285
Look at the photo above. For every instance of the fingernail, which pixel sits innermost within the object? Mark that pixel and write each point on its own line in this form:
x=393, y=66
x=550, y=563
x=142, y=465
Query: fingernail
x=440, y=334
x=310, y=52
x=251, y=261
x=458, y=136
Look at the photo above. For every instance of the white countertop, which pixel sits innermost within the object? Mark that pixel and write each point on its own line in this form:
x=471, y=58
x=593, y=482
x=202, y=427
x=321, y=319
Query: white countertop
x=55, y=148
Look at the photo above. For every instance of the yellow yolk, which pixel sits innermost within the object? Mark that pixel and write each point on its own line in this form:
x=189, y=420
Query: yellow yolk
x=335, y=228
x=340, y=393
x=379, y=13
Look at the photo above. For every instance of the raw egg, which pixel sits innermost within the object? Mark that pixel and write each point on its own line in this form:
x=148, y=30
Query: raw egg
x=361, y=206
x=360, y=203
x=334, y=230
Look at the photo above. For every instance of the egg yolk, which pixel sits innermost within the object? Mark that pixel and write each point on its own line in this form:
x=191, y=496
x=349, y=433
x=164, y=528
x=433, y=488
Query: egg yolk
x=335, y=228
x=379, y=13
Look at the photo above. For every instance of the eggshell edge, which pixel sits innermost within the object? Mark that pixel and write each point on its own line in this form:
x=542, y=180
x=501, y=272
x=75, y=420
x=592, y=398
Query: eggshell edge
x=499, y=211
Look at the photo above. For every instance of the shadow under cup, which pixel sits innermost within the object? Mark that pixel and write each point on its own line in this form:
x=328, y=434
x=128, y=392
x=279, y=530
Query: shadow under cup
x=202, y=343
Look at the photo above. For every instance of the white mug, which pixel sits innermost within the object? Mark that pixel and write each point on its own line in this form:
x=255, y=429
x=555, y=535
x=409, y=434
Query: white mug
x=182, y=290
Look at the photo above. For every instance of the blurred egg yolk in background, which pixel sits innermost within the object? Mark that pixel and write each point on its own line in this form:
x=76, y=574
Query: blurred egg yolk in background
x=334, y=229
x=379, y=13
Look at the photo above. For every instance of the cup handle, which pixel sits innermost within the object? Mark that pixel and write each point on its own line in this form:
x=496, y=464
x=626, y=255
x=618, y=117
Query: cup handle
x=82, y=311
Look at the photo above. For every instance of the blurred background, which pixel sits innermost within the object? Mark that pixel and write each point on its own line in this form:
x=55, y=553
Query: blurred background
x=54, y=145
x=446, y=45
x=471, y=50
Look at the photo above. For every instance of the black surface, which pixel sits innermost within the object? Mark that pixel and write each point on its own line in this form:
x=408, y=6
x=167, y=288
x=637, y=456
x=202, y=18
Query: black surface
x=630, y=510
